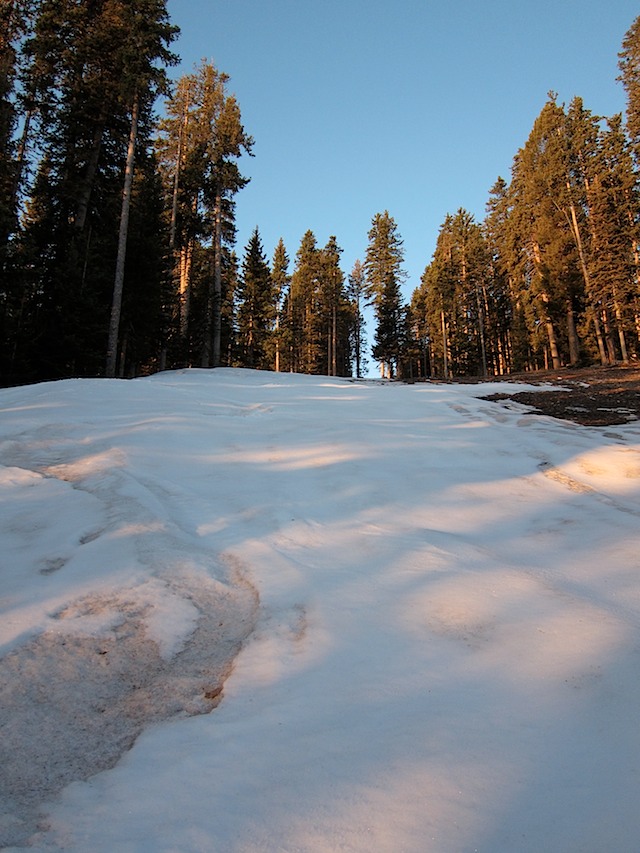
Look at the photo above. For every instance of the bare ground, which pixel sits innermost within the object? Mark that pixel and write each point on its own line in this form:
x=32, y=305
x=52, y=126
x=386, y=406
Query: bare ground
x=590, y=396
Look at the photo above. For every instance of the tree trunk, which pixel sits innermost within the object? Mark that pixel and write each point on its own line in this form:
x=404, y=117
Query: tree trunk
x=217, y=283
x=608, y=337
x=82, y=208
x=334, y=342
x=213, y=317
x=184, y=288
x=483, y=347
x=445, y=346
x=574, y=346
x=553, y=345
x=118, y=286
x=176, y=179
x=599, y=338
x=620, y=326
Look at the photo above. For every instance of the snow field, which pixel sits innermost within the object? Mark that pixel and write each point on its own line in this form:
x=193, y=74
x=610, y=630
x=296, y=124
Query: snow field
x=437, y=600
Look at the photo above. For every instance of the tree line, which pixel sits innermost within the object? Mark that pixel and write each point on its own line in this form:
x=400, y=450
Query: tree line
x=551, y=277
x=117, y=228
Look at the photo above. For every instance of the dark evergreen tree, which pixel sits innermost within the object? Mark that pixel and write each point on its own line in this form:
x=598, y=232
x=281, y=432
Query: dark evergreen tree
x=145, y=55
x=256, y=307
x=303, y=318
x=334, y=314
x=144, y=328
x=384, y=276
x=356, y=293
x=87, y=63
x=281, y=281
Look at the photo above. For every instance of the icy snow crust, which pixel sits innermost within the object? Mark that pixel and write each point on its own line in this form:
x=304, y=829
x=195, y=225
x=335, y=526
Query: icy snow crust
x=426, y=608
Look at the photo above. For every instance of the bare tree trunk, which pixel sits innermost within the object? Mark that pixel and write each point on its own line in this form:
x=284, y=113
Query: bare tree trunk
x=620, y=327
x=608, y=337
x=445, y=346
x=574, y=347
x=217, y=283
x=483, y=349
x=587, y=278
x=574, y=353
x=551, y=332
x=118, y=285
x=553, y=345
x=334, y=342
x=184, y=288
x=599, y=339
x=176, y=179
x=213, y=318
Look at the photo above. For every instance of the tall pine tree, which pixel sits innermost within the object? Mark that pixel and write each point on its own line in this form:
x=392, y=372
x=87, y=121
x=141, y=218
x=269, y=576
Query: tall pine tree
x=257, y=307
x=384, y=275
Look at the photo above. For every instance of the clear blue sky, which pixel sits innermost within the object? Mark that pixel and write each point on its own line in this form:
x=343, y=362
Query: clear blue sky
x=360, y=106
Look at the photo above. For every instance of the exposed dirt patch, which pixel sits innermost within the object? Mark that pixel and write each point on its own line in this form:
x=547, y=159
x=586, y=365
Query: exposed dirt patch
x=595, y=396
x=75, y=698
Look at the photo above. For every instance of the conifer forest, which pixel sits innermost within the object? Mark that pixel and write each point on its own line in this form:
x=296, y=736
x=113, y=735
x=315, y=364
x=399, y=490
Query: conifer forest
x=118, y=258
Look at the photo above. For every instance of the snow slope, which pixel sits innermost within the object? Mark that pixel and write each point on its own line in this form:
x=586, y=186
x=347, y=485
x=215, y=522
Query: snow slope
x=436, y=598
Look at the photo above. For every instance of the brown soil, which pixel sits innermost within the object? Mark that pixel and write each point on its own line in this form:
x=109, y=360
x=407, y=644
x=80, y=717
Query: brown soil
x=590, y=396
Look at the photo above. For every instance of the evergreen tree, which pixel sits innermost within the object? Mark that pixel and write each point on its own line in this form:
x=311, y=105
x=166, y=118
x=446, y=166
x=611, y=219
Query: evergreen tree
x=85, y=62
x=612, y=205
x=509, y=336
x=303, y=318
x=144, y=326
x=356, y=293
x=257, y=306
x=334, y=314
x=384, y=275
x=148, y=35
x=629, y=65
x=543, y=201
x=200, y=144
x=281, y=280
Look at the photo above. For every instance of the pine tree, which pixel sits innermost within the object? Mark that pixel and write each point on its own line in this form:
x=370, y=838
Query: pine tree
x=200, y=142
x=456, y=296
x=356, y=295
x=384, y=275
x=303, y=318
x=145, y=326
x=87, y=65
x=333, y=313
x=543, y=201
x=148, y=35
x=510, y=335
x=629, y=65
x=257, y=306
x=612, y=204
x=281, y=280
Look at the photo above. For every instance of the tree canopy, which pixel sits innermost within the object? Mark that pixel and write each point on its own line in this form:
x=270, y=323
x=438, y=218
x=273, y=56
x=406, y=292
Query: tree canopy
x=118, y=228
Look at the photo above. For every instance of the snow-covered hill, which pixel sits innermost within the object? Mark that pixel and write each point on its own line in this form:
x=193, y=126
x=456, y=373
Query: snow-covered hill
x=427, y=606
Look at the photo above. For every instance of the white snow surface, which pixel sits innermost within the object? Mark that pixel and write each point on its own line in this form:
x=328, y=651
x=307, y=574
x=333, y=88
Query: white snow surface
x=433, y=602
